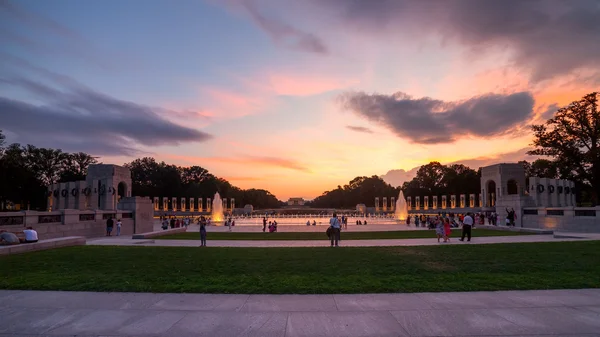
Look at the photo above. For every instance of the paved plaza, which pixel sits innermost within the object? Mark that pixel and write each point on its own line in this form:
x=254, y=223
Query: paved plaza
x=568, y=313
x=127, y=241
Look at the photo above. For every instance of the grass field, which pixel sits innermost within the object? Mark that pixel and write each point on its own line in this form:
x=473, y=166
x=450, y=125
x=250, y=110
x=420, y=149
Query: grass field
x=414, y=234
x=553, y=265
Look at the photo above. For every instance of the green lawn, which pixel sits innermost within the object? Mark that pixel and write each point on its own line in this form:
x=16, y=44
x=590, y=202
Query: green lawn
x=414, y=234
x=553, y=265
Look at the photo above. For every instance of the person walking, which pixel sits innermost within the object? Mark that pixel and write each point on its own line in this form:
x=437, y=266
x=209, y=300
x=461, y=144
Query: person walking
x=447, y=230
x=109, y=226
x=467, y=226
x=439, y=228
x=119, y=227
x=202, y=232
x=334, y=224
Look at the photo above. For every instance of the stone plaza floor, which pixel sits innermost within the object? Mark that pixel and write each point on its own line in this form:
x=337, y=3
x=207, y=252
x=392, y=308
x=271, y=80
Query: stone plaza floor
x=567, y=313
x=127, y=241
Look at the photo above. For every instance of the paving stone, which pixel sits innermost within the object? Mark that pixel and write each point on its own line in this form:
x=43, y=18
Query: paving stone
x=37, y=321
x=555, y=320
x=467, y=322
x=98, y=322
x=215, y=324
x=259, y=303
x=380, y=302
x=152, y=322
x=343, y=324
x=218, y=302
x=75, y=300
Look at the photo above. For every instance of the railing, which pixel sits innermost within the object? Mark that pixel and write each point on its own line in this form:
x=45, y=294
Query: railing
x=11, y=220
x=558, y=212
x=87, y=217
x=585, y=212
x=49, y=218
x=530, y=212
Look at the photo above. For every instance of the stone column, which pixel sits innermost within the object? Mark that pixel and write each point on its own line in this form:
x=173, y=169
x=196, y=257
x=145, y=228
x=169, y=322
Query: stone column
x=385, y=206
x=165, y=203
x=376, y=204
x=453, y=201
x=426, y=202
x=173, y=203
x=183, y=204
x=208, y=205
x=409, y=203
x=480, y=199
x=435, y=202
x=444, y=199
x=471, y=200
x=200, y=206
x=156, y=203
x=393, y=204
x=462, y=201
x=417, y=203
x=224, y=205
x=232, y=202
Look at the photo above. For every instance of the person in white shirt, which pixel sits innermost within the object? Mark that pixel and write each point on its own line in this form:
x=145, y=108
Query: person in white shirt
x=334, y=224
x=119, y=223
x=466, y=229
x=30, y=235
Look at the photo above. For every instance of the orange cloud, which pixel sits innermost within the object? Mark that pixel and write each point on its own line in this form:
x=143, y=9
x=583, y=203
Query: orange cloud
x=229, y=104
x=246, y=160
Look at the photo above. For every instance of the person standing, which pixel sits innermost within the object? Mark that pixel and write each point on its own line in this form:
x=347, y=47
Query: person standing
x=172, y=222
x=467, y=226
x=202, y=232
x=229, y=224
x=119, y=227
x=447, y=230
x=334, y=223
x=264, y=224
x=109, y=226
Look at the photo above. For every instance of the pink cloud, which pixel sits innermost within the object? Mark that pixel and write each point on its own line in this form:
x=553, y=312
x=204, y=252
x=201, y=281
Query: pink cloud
x=306, y=85
x=265, y=161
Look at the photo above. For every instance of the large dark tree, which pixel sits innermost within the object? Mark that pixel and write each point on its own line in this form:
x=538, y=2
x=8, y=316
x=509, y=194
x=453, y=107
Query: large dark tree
x=75, y=166
x=360, y=190
x=572, y=139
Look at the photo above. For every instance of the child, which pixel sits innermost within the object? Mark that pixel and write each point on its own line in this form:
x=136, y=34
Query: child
x=447, y=230
x=119, y=227
x=439, y=229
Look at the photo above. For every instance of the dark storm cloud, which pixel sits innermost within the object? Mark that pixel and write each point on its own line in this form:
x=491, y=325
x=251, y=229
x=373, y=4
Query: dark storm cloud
x=547, y=37
x=431, y=121
x=76, y=118
x=359, y=129
x=285, y=34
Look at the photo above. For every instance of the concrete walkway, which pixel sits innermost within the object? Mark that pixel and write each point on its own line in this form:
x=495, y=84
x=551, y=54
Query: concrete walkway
x=567, y=313
x=127, y=241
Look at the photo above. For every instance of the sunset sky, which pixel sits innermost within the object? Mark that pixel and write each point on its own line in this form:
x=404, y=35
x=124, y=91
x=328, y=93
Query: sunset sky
x=293, y=96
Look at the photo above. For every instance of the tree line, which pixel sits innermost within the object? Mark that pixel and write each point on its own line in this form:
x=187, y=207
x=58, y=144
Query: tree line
x=25, y=171
x=159, y=179
x=569, y=141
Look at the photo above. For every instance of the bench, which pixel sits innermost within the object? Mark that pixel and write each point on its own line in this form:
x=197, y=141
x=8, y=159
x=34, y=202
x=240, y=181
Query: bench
x=159, y=233
x=43, y=245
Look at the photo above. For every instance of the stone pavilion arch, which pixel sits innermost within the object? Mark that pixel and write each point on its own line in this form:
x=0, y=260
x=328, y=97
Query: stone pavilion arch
x=489, y=192
x=512, y=187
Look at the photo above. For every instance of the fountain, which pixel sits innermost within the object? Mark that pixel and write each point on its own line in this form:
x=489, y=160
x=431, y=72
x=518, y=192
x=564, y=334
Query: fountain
x=217, y=209
x=401, y=208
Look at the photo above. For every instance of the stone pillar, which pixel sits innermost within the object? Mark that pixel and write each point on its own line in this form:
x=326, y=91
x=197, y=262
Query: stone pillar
x=232, y=203
x=165, y=203
x=426, y=202
x=173, y=203
x=183, y=204
x=393, y=204
x=560, y=193
x=417, y=203
x=480, y=199
x=224, y=205
x=453, y=201
x=376, y=204
x=572, y=199
x=409, y=203
x=471, y=200
x=444, y=199
x=143, y=215
x=156, y=203
x=385, y=206
x=462, y=201
x=552, y=193
x=492, y=199
x=435, y=202
x=208, y=205
x=200, y=206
